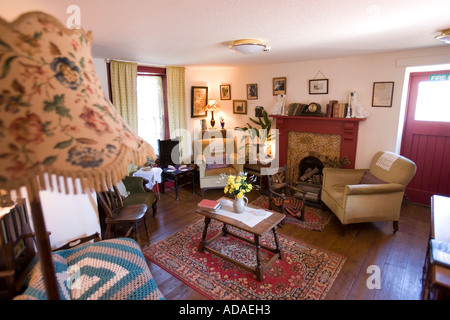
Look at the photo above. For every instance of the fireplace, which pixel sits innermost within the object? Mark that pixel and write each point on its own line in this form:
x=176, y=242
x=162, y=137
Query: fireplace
x=308, y=144
x=310, y=177
x=343, y=129
x=310, y=169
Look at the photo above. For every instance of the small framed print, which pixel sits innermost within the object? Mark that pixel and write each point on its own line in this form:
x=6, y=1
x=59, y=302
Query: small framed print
x=279, y=86
x=225, y=92
x=382, y=94
x=318, y=86
x=199, y=99
x=240, y=106
x=252, y=91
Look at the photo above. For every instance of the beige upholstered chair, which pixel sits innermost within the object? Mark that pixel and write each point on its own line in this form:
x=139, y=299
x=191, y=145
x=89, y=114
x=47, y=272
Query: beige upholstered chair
x=215, y=156
x=368, y=195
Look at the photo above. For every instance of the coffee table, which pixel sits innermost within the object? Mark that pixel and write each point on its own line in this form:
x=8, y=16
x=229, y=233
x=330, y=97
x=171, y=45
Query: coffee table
x=267, y=224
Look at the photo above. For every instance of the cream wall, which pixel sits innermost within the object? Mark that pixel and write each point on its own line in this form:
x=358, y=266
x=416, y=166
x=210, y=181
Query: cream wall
x=356, y=73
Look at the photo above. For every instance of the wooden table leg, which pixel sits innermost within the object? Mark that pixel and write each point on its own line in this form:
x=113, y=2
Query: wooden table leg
x=176, y=186
x=259, y=269
x=277, y=242
x=225, y=230
x=201, y=246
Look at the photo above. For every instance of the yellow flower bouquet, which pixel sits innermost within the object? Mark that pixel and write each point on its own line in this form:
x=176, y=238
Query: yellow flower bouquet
x=238, y=185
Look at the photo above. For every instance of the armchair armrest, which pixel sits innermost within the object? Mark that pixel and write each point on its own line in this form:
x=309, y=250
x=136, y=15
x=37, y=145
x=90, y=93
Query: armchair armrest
x=334, y=176
x=365, y=189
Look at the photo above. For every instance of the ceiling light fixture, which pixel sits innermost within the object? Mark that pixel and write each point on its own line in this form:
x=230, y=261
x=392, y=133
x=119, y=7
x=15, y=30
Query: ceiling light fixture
x=444, y=36
x=247, y=46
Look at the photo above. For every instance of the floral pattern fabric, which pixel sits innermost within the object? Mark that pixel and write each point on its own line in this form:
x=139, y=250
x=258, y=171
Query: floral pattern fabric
x=55, y=117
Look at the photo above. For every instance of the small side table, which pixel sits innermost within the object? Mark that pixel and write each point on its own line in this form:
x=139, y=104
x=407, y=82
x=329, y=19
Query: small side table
x=177, y=173
x=152, y=175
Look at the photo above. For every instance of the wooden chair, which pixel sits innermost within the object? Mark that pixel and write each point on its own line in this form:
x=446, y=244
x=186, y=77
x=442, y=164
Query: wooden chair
x=116, y=213
x=17, y=248
x=287, y=198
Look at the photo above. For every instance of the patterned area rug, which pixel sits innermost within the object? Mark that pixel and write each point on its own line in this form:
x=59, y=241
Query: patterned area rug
x=315, y=219
x=304, y=272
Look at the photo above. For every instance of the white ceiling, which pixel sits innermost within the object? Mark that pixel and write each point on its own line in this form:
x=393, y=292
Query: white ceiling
x=197, y=32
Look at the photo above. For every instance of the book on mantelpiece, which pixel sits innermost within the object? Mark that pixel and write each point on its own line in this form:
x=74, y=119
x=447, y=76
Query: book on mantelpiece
x=210, y=204
x=339, y=110
x=330, y=108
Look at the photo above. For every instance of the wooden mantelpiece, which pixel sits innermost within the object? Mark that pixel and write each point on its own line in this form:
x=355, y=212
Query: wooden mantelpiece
x=347, y=128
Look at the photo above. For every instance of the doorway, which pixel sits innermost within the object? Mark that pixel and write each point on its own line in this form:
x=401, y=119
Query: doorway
x=426, y=134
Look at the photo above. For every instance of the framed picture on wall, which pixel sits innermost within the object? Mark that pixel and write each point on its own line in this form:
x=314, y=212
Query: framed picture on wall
x=240, y=106
x=279, y=86
x=199, y=99
x=225, y=92
x=318, y=86
x=382, y=94
x=252, y=91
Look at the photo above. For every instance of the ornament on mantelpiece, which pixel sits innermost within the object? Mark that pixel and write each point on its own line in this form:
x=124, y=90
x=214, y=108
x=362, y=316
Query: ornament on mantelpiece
x=356, y=108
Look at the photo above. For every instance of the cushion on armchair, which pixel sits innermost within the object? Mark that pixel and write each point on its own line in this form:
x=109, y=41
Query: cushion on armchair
x=369, y=178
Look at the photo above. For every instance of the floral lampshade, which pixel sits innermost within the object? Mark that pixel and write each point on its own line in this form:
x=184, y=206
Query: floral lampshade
x=212, y=106
x=55, y=117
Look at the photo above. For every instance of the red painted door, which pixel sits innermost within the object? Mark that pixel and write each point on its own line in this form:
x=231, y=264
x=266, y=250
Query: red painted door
x=426, y=134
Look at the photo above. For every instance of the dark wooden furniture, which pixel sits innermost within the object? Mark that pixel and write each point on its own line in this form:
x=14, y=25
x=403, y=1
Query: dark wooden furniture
x=16, y=248
x=169, y=158
x=179, y=178
x=270, y=223
x=287, y=198
x=118, y=214
x=436, y=277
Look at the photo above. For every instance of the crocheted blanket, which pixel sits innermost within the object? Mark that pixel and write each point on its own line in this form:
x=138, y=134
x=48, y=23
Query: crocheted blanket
x=107, y=270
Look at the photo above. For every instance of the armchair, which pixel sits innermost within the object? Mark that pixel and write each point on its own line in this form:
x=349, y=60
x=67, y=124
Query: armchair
x=135, y=193
x=214, y=157
x=368, y=195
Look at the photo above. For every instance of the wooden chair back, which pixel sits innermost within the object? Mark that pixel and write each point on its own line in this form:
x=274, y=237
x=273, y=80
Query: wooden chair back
x=279, y=180
x=17, y=248
x=169, y=152
x=110, y=201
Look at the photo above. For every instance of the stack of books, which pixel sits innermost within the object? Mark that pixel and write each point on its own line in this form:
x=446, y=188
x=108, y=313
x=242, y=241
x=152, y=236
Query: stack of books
x=210, y=204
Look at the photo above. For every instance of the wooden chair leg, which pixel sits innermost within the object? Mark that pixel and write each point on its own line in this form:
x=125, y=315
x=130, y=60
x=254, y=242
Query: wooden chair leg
x=395, y=225
x=146, y=228
x=108, y=231
x=302, y=216
x=343, y=227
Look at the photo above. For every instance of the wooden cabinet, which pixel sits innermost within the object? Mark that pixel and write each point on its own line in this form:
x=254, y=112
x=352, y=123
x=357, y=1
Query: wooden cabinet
x=437, y=278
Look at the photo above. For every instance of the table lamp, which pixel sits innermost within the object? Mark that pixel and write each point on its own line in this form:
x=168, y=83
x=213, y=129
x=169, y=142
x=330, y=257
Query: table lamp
x=56, y=120
x=212, y=106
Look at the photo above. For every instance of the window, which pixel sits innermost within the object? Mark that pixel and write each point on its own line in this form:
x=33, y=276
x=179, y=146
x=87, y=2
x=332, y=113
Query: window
x=433, y=101
x=150, y=106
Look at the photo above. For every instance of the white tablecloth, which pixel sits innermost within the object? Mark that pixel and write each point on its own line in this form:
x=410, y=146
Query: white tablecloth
x=153, y=176
x=250, y=216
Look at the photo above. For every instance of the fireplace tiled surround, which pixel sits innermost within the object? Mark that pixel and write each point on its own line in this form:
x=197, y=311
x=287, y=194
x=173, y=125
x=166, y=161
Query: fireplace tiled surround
x=305, y=144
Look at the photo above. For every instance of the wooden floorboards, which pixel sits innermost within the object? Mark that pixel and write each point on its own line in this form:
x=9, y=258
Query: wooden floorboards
x=398, y=256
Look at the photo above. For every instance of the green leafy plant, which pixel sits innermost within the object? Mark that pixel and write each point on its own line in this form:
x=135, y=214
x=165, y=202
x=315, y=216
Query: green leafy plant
x=264, y=122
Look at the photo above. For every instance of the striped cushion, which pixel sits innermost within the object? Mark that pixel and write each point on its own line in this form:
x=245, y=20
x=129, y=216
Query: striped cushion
x=292, y=205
